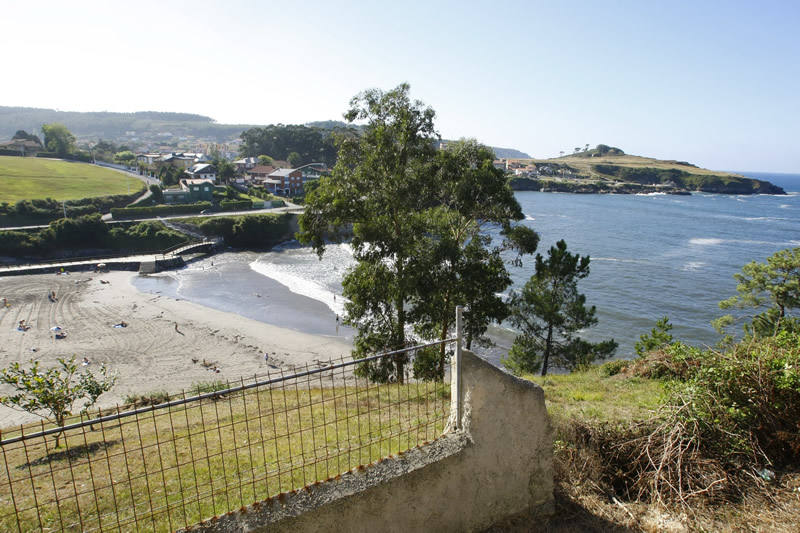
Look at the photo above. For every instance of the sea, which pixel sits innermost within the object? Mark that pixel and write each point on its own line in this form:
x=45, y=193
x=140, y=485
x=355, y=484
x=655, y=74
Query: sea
x=652, y=255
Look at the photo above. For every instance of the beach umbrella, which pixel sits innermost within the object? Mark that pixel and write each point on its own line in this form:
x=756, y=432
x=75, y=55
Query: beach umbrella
x=55, y=328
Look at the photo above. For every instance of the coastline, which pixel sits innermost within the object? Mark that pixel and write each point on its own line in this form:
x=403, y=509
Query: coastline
x=161, y=349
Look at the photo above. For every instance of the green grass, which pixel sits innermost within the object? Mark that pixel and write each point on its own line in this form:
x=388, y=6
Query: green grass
x=591, y=395
x=30, y=178
x=165, y=469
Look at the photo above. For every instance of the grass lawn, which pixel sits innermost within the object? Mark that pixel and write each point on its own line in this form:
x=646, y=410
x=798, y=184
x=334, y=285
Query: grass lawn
x=591, y=395
x=30, y=178
x=161, y=470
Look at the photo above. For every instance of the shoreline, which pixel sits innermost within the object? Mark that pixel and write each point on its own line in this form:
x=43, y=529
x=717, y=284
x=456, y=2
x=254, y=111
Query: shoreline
x=161, y=349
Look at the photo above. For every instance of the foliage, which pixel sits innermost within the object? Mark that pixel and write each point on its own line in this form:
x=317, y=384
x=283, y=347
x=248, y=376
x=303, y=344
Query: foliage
x=773, y=288
x=612, y=368
x=58, y=139
x=125, y=157
x=312, y=145
x=548, y=311
x=157, y=193
x=172, y=209
x=294, y=159
x=52, y=393
x=659, y=336
x=225, y=169
x=265, y=160
x=249, y=231
x=415, y=215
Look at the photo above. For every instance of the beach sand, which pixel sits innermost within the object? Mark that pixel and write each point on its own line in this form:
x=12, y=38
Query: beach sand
x=149, y=354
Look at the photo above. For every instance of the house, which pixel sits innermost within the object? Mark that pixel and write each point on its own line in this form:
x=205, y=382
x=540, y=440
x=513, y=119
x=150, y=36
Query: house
x=260, y=172
x=245, y=164
x=290, y=181
x=176, y=160
x=190, y=191
x=23, y=146
x=203, y=171
x=147, y=159
x=499, y=164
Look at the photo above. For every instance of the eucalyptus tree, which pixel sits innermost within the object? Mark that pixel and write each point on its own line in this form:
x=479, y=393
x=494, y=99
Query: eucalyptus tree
x=414, y=216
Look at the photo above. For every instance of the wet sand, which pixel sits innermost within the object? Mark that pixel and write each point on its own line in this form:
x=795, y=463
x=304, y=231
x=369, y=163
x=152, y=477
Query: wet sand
x=149, y=354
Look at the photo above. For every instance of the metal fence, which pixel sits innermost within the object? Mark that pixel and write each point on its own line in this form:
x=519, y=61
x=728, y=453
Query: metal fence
x=217, y=447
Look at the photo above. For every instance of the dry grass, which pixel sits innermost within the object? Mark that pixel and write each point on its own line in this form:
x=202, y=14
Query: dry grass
x=165, y=469
x=615, y=459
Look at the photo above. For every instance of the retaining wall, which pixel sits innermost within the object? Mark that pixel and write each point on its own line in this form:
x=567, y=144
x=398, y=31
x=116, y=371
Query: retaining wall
x=499, y=465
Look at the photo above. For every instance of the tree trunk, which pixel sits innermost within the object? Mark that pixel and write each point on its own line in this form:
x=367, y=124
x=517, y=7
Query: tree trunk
x=547, y=347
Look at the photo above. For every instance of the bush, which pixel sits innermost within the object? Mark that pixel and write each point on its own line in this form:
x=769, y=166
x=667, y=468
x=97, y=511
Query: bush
x=176, y=209
x=612, y=368
x=250, y=231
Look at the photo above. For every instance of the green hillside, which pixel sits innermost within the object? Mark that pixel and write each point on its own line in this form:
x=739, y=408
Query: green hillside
x=27, y=178
x=609, y=169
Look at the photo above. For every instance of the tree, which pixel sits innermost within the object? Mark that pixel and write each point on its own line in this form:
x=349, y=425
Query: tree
x=659, y=336
x=125, y=157
x=561, y=153
x=157, y=193
x=58, y=139
x=411, y=212
x=52, y=393
x=265, y=160
x=549, y=310
x=772, y=287
x=225, y=169
x=294, y=159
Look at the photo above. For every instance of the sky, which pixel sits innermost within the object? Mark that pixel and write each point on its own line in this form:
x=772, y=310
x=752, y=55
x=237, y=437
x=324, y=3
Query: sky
x=713, y=83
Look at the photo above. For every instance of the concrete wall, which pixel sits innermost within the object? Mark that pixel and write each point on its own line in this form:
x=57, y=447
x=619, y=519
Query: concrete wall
x=499, y=465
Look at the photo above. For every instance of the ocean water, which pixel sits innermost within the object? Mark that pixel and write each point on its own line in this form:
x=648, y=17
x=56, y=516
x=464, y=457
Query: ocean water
x=651, y=255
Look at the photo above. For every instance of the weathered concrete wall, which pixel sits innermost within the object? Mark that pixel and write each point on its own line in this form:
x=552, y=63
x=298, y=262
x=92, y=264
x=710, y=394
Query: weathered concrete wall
x=498, y=465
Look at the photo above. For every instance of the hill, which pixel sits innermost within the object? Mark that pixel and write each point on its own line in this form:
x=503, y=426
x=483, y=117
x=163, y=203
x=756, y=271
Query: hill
x=117, y=126
x=607, y=169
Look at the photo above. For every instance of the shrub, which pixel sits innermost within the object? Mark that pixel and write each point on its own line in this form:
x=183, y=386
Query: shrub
x=143, y=400
x=659, y=336
x=612, y=368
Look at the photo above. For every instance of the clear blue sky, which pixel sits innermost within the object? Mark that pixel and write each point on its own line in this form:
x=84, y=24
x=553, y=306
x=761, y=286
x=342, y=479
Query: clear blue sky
x=715, y=83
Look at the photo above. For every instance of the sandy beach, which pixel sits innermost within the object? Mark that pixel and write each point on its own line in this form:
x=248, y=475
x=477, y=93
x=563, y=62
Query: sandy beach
x=150, y=353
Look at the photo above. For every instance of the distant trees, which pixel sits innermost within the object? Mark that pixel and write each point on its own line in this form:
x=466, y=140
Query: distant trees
x=772, y=287
x=125, y=157
x=549, y=311
x=58, y=139
x=265, y=160
x=311, y=144
x=294, y=159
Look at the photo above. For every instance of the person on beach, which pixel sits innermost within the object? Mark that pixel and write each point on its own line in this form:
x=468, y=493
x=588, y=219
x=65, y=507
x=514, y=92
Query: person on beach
x=337, y=324
x=85, y=361
x=5, y=303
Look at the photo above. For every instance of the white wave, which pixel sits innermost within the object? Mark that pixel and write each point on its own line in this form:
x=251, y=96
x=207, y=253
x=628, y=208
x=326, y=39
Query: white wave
x=693, y=265
x=301, y=286
x=705, y=242
x=617, y=260
x=785, y=206
x=528, y=217
x=650, y=194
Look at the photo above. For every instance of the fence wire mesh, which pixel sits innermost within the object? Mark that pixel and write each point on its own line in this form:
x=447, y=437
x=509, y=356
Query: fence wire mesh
x=212, y=449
